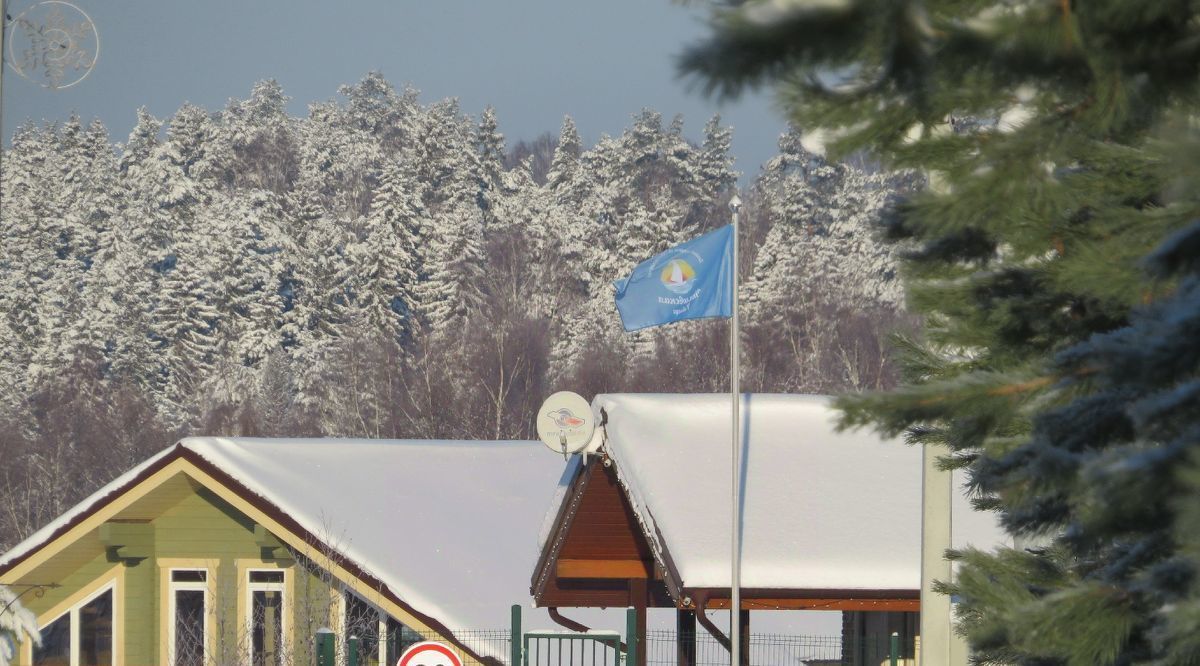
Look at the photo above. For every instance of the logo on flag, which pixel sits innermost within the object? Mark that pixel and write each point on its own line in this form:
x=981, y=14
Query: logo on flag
x=678, y=276
x=692, y=280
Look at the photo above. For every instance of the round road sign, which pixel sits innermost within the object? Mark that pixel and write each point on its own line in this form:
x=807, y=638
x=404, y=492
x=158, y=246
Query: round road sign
x=429, y=653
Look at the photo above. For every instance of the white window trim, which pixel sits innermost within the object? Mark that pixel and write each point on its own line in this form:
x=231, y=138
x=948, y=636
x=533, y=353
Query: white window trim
x=342, y=649
x=76, y=628
x=187, y=586
x=251, y=588
x=383, y=638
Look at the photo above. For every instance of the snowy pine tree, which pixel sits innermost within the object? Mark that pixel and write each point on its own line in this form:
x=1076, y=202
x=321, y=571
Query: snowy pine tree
x=257, y=143
x=489, y=164
x=16, y=624
x=455, y=285
x=387, y=260
x=353, y=271
x=1035, y=124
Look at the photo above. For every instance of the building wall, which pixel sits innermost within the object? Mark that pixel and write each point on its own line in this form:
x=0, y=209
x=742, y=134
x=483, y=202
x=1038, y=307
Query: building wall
x=200, y=531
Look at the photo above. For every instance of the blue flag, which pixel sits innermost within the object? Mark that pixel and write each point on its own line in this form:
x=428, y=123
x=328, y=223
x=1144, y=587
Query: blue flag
x=692, y=280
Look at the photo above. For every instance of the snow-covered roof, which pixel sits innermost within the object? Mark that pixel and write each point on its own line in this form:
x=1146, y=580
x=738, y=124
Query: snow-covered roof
x=823, y=510
x=449, y=527
x=68, y=517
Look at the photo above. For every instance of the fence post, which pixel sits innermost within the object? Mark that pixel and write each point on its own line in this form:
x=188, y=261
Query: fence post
x=517, y=639
x=631, y=637
x=323, y=643
x=895, y=649
x=352, y=651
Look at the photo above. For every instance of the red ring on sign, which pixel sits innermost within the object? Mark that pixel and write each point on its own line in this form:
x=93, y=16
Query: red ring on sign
x=428, y=646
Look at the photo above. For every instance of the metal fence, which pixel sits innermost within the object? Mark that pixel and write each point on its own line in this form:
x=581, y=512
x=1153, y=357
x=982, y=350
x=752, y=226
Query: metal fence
x=593, y=648
x=492, y=646
x=775, y=650
x=661, y=648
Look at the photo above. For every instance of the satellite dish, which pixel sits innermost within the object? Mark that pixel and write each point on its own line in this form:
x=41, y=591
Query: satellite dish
x=53, y=43
x=565, y=423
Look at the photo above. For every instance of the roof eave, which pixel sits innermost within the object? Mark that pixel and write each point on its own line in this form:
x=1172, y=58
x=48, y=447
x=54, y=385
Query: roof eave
x=548, y=557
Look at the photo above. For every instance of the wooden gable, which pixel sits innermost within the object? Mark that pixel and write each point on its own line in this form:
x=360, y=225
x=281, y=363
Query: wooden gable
x=596, y=554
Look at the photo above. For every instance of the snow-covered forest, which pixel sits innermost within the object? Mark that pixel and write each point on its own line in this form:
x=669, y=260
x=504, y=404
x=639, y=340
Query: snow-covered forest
x=389, y=268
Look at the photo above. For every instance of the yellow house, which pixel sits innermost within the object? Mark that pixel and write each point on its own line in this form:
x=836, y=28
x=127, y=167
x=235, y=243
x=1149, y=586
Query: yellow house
x=236, y=551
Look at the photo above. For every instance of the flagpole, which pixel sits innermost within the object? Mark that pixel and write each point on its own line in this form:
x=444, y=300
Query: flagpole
x=735, y=585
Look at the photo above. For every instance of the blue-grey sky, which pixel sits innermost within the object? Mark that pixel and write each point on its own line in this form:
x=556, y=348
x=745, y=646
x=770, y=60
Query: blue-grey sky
x=534, y=60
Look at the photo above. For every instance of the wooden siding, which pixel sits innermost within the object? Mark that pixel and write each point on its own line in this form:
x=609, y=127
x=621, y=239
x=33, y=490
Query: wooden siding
x=602, y=552
x=201, y=526
x=605, y=527
x=197, y=526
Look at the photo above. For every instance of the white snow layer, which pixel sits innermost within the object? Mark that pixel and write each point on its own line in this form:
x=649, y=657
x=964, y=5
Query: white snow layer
x=16, y=622
x=560, y=495
x=822, y=509
x=447, y=526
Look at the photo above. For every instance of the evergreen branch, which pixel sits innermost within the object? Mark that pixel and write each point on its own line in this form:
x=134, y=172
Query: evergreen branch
x=1024, y=387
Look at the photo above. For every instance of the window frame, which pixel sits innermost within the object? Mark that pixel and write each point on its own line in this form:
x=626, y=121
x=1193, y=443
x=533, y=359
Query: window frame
x=174, y=586
x=76, y=633
x=249, y=588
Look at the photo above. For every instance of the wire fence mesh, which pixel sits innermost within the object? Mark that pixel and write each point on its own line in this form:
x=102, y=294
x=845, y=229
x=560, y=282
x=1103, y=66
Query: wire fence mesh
x=573, y=649
x=662, y=649
x=493, y=646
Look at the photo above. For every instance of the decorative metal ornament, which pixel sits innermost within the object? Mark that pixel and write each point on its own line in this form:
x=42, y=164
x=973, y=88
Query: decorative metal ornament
x=54, y=44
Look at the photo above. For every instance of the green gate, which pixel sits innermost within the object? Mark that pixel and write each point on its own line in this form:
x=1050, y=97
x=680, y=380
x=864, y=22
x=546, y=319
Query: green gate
x=573, y=648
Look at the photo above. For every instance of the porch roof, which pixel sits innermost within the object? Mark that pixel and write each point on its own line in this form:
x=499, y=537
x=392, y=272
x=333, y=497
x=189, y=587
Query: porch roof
x=826, y=515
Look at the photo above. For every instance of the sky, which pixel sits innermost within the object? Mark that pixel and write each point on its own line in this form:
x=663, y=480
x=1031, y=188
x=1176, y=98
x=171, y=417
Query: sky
x=534, y=60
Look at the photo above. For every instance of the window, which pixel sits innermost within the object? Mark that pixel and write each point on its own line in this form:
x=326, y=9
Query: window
x=363, y=620
x=264, y=624
x=56, y=644
x=397, y=638
x=82, y=636
x=188, y=619
x=381, y=637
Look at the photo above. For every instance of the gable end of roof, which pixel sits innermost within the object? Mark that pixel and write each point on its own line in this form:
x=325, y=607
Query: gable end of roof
x=180, y=452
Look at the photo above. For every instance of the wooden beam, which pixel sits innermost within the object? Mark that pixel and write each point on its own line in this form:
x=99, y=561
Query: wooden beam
x=127, y=540
x=909, y=605
x=623, y=569
x=598, y=593
x=264, y=538
x=638, y=598
x=685, y=637
x=270, y=547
